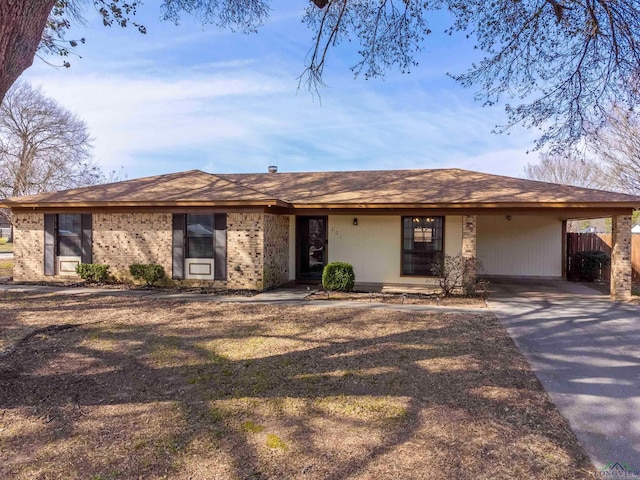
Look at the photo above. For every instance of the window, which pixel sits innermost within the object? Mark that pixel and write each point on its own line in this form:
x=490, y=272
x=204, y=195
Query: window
x=69, y=239
x=200, y=236
x=422, y=245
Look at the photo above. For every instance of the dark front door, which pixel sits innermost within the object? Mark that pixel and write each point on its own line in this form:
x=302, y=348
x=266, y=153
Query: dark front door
x=312, y=247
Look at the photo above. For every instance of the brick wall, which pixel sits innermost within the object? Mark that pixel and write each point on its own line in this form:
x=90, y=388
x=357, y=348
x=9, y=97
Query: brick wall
x=245, y=248
x=257, y=246
x=122, y=239
x=469, y=240
x=28, y=253
x=276, y=250
x=621, y=257
x=257, y=250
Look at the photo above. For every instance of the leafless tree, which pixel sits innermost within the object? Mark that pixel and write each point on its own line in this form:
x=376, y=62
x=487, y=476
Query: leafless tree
x=618, y=146
x=564, y=61
x=569, y=168
x=578, y=169
x=43, y=147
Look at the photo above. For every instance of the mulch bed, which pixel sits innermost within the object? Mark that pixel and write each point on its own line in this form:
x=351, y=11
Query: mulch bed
x=203, y=290
x=401, y=298
x=129, y=387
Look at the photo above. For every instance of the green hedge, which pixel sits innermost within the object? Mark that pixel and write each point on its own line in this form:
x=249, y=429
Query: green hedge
x=93, y=272
x=338, y=277
x=150, y=273
x=590, y=263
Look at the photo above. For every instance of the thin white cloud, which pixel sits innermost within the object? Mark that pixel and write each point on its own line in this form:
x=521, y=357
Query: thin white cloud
x=176, y=104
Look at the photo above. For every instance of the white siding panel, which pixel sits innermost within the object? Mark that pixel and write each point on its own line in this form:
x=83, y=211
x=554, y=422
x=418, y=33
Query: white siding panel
x=373, y=246
x=452, y=235
x=528, y=246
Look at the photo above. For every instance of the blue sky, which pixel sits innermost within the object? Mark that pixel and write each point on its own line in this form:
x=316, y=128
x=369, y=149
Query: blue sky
x=188, y=96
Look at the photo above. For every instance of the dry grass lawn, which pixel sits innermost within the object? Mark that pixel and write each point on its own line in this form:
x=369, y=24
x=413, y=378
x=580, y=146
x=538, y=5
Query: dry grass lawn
x=144, y=389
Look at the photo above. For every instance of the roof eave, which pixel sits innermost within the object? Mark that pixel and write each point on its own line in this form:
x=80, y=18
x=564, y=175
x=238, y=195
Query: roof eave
x=469, y=205
x=100, y=205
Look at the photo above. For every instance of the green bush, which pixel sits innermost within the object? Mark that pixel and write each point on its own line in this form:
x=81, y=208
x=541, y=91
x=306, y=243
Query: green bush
x=338, y=277
x=150, y=272
x=590, y=264
x=94, y=272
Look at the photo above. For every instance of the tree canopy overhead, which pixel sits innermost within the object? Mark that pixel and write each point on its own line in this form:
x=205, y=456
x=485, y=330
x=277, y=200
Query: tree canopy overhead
x=560, y=63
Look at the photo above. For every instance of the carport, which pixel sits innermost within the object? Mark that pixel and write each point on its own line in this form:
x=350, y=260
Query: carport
x=531, y=244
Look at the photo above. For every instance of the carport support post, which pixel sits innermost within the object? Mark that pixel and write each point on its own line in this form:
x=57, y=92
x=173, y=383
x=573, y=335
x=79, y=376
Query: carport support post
x=621, y=257
x=469, y=245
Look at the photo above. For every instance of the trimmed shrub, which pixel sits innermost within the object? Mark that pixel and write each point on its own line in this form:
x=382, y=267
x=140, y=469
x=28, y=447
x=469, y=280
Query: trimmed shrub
x=338, y=277
x=93, y=272
x=590, y=264
x=149, y=272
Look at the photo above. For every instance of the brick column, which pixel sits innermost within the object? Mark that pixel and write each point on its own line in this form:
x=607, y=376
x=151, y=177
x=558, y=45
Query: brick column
x=621, y=257
x=469, y=242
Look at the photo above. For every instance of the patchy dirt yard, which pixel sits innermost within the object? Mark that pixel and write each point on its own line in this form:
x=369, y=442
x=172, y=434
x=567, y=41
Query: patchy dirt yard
x=144, y=389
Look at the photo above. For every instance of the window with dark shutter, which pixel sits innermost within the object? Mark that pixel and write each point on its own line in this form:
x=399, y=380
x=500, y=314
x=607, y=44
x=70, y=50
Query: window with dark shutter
x=177, y=255
x=69, y=241
x=220, y=242
x=200, y=236
x=50, y=244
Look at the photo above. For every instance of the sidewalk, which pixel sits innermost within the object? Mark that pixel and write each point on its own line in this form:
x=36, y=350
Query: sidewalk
x=278, y=296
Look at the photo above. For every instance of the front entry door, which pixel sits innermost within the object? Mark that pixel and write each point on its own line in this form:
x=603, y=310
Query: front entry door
x=312, y=247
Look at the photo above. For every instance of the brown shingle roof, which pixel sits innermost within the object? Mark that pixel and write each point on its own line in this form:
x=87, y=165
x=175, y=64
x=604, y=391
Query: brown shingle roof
x=445, y=187
x=184, y=188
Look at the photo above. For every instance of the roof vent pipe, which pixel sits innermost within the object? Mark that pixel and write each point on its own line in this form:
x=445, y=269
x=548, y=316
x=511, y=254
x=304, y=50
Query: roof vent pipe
x=273, y=169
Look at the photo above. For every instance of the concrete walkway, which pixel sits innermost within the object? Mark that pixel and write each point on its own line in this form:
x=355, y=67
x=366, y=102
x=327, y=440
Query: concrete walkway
x=585, y=349
x=279, y=296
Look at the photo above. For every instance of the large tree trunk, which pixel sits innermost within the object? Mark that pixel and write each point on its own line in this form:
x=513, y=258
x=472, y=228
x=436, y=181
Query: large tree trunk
x=21, y=25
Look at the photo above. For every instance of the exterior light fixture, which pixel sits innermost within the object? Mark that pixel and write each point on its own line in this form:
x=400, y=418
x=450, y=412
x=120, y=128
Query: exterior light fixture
x=355, y=221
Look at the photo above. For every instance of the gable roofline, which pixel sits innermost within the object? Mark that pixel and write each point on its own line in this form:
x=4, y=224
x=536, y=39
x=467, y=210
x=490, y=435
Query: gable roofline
x=369, y=189
x=238, y=195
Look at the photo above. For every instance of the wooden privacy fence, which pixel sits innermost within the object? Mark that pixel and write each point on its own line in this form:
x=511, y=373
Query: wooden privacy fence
x=583, y=242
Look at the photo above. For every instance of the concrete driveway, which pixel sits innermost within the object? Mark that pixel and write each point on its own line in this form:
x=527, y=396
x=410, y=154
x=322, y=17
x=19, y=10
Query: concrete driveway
x=585, y=349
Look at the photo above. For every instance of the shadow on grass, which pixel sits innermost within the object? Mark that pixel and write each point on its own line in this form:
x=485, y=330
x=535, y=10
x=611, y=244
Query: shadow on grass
x=278, y=392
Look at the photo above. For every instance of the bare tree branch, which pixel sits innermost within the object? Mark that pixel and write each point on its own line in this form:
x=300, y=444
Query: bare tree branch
x=43, y=147
x=569, y=168
x=563, y=63
x=617, y=144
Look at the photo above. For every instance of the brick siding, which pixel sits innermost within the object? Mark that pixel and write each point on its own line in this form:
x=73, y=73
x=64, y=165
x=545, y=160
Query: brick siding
x=469, y=240
x=276, y=250
x=621, y=257
x=257, y=250
x=257, y=246
x=245, y=250
x=122, y=239
x=28, y=251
